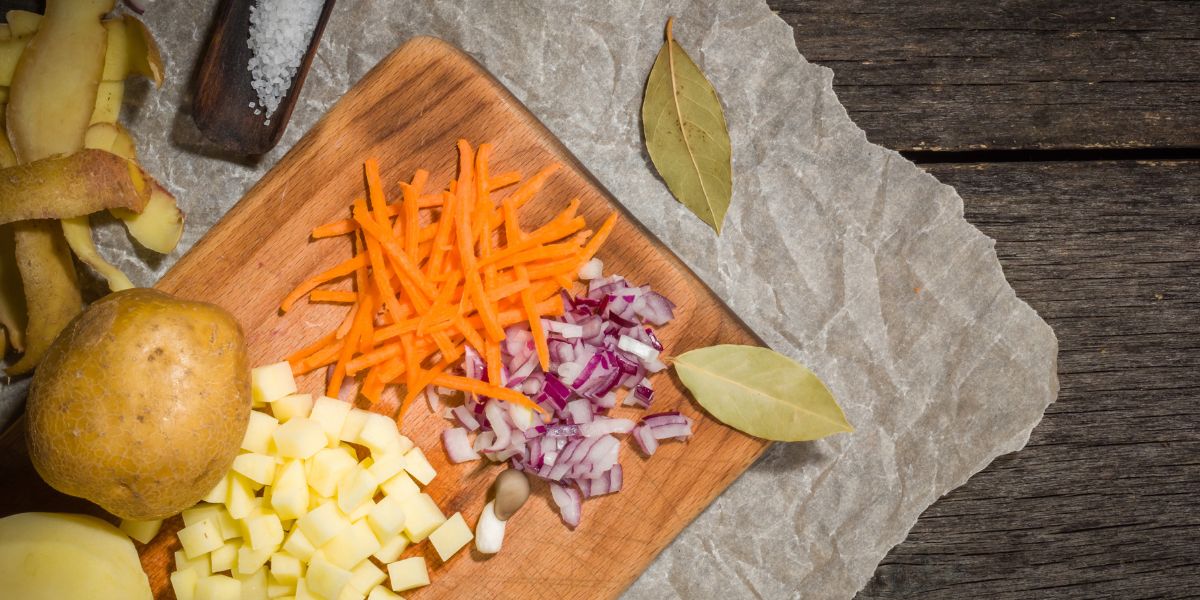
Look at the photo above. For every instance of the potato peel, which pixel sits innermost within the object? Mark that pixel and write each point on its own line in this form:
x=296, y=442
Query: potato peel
x=51, y=290
x=80, y=184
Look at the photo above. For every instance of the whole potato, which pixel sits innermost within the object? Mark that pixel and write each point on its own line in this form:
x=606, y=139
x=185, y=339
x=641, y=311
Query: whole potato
x=140, y=405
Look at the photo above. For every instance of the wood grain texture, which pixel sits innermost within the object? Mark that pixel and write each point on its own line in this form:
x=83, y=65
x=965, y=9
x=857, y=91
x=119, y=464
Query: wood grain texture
x=408, y=112
x=222, y=90
x=1043, y=74
x=1102, y=502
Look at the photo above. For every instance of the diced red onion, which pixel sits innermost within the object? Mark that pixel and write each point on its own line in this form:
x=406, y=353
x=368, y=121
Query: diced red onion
x=569, y=502
x=580, y=411
x=458, y=447
x=645, y=440
x=642, y=351
x=604, y=426
x=464, y=416
x=591, y=269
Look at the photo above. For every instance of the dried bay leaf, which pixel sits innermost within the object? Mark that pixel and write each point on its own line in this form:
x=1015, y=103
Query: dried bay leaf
x=761, y=392
x=686, y=134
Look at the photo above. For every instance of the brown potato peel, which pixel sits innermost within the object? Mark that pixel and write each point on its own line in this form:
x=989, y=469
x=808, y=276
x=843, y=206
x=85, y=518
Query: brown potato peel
x=51, y=290
x=80, y=184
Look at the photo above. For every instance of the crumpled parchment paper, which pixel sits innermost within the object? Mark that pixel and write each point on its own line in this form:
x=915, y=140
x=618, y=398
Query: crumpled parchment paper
x=839, y=253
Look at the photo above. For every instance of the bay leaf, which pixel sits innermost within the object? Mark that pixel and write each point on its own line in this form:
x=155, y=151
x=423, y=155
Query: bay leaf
x=686, y=134
x=761, y=392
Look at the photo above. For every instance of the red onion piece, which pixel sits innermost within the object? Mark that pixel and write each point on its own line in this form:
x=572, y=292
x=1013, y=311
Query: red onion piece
x=458, y=447
x=569, y=504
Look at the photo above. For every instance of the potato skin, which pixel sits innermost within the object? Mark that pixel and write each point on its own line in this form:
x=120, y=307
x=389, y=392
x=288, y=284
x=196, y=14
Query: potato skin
x=141, y=403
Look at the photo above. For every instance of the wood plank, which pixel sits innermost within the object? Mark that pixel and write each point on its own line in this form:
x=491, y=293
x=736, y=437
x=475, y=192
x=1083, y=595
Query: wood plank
x=1102, y=503
x=1075, y=74
x=408, y=112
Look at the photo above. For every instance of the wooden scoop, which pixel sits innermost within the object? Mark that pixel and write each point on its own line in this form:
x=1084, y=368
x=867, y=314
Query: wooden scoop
x=221, y=105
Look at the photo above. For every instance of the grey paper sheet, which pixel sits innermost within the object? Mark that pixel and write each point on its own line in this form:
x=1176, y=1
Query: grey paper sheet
x=839, y=253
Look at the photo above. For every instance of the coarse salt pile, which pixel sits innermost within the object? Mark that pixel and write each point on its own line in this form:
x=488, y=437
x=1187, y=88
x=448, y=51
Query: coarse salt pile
x=279, y=34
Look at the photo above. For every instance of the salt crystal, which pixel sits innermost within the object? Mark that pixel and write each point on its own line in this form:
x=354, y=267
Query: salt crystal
x=279, y=34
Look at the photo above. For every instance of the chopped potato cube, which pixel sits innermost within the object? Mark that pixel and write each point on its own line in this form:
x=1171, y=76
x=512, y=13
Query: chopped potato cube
x=258, y=432
x=225, y=557
x=381, y=593
x=421, y=516
x=401, y=486
x=355, y=487
x=269, y=383
x=379, y=434
x=200, y=538
x=408, y=573
x=226, y=523
x=418, y=466
x=302, y=592
x=142, y=531
x=289, y=492
x=361, y=512
x=250, y=560
x=286, y=568
x=276, y=589
x=241, y=497
x=201, y=564
x=299, y=438
x=387, y=517
x=292, y=407
x=325, y=578
x=258, y=468
x=392, y=548
x=184, y=584
x=353, y=545
x=327, y=467
x=451, y=536
x=322, y=523
x=220, y=492
x=297, y=545
x=349, y=593
x=264, y=532
x=330, y=414
x=218, y=587
x=365, y=575
x=385, y=467
x=352, y=427
x=254, y=585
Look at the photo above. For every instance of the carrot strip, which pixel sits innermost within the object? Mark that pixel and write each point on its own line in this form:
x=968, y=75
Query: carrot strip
x=422, y=289
x=601, y=235
x=312, y=348
x=372, y=358
x=391, y=370
x=338, y=296
x=372, y=387
x=525, y=193
x=320, y=358
x=474, y=386
x=492, y=356
x=336, y=228
x=423, y=381
x=306, y=286
x=412, y=228
x=501, y=292
x=535, y=327
x=411, y=366
x=504, y=180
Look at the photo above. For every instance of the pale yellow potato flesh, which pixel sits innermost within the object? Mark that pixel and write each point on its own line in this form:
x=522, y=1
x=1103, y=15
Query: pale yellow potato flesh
x=109, y=96
x=54, y=556
x=159, y=226
x=54, y=86
x=10, y=53
x=22, y=23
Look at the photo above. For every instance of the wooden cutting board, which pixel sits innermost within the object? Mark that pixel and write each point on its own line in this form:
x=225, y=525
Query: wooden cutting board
x=408, y=112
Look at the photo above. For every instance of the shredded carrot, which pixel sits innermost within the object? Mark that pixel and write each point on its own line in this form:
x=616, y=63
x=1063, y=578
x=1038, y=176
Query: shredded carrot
x=475, y=386
x=338, y=296
x=425, y=293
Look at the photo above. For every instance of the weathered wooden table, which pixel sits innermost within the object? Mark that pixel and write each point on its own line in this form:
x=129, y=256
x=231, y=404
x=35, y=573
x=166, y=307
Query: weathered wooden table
x=1072, y=131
